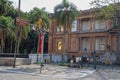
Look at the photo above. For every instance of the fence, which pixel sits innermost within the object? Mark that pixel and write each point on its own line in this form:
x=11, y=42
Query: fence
x=12, y=55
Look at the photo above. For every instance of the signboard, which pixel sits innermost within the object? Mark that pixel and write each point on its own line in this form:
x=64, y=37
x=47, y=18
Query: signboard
x=40, y=43
x=21, y=22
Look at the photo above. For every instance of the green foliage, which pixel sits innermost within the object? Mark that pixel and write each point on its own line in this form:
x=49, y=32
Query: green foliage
x=6, y=26
x=31, y=42
x=65, y=13
x=27, y=38
x=35, y=14
x=6, y=22
x=108, y=8
x=63, y=64
x=5, y=7
x=3, y=21
x=26, y=30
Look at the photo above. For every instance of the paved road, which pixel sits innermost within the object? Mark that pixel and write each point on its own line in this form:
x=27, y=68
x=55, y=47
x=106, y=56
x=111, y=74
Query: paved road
x=53, y=72
x=49, y=72
x=18, y=76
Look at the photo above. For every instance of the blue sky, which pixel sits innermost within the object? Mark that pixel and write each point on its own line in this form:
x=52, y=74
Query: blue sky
x=27, y=5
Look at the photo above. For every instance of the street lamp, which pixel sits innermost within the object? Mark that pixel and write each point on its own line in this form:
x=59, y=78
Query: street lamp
x=94, y=60
x=38, y=28
x=41, y=32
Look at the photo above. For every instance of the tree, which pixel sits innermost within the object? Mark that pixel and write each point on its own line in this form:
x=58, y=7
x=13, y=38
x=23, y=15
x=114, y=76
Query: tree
x=31, y=42
x=4, y=23
x=65, y=13
x=108, y=8
x=8, y=30
x=5, y=6
x=7, y=13
x=40, y=14
x=10, y=35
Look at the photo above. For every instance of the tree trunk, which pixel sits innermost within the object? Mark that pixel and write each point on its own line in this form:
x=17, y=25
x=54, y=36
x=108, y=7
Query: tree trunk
x=11, y=44
x=65, y=40
x=3, y=41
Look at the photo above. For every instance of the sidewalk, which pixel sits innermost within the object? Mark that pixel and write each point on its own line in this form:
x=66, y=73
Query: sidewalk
x=51, y=70
x=67, y=73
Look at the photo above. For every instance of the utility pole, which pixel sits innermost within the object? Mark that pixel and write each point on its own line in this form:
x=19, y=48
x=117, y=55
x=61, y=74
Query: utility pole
x=40, y=48
x=41, y=54
x=39, y=25
x=17, y=37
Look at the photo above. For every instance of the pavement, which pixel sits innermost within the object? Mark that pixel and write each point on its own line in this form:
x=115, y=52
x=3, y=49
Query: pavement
x=53, y=72
x=50, y=70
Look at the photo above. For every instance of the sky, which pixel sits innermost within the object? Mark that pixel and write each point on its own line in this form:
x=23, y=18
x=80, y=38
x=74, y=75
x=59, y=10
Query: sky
x=27, y=5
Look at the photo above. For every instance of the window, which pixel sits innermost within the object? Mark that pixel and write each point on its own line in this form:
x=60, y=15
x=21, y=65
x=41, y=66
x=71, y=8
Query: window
x=100, y=24
x=60, y=28
x=74, y=26
x=85, y=25
x=100, y=43
x=85, y=44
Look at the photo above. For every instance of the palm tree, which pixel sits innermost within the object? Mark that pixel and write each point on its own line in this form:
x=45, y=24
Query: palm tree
x=10, y=33
x=3, y=26
x=65, y=14
x=39, y=13
x=4, y=23
x=35, y=15
x=23, y=33
x=11, y=37
x=5, y=6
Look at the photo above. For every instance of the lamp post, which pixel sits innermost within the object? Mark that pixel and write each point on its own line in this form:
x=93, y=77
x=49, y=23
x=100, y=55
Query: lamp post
x=94, y=60
x=38, y=27
x=16, y=44
x=43, y=31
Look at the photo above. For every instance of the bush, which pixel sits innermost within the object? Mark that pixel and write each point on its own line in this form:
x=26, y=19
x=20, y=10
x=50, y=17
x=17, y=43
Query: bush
x=63, y=64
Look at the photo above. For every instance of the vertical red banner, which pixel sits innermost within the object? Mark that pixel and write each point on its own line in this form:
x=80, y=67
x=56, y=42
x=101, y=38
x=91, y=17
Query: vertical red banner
x=40, y=43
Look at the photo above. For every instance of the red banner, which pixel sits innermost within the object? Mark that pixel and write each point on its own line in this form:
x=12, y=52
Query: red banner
x=40, y=43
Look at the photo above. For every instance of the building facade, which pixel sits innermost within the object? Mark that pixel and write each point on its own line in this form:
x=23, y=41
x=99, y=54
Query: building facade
x=88, y=34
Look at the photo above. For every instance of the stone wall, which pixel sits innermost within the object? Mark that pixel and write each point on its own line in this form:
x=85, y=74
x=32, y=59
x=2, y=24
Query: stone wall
x=6, y=61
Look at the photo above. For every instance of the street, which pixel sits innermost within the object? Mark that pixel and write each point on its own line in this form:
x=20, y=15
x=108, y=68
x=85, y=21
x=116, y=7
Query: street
x=55, y=72
x=48, y=72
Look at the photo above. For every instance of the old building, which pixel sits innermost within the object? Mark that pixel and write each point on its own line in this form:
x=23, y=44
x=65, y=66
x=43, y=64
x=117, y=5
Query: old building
x=88, y=34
